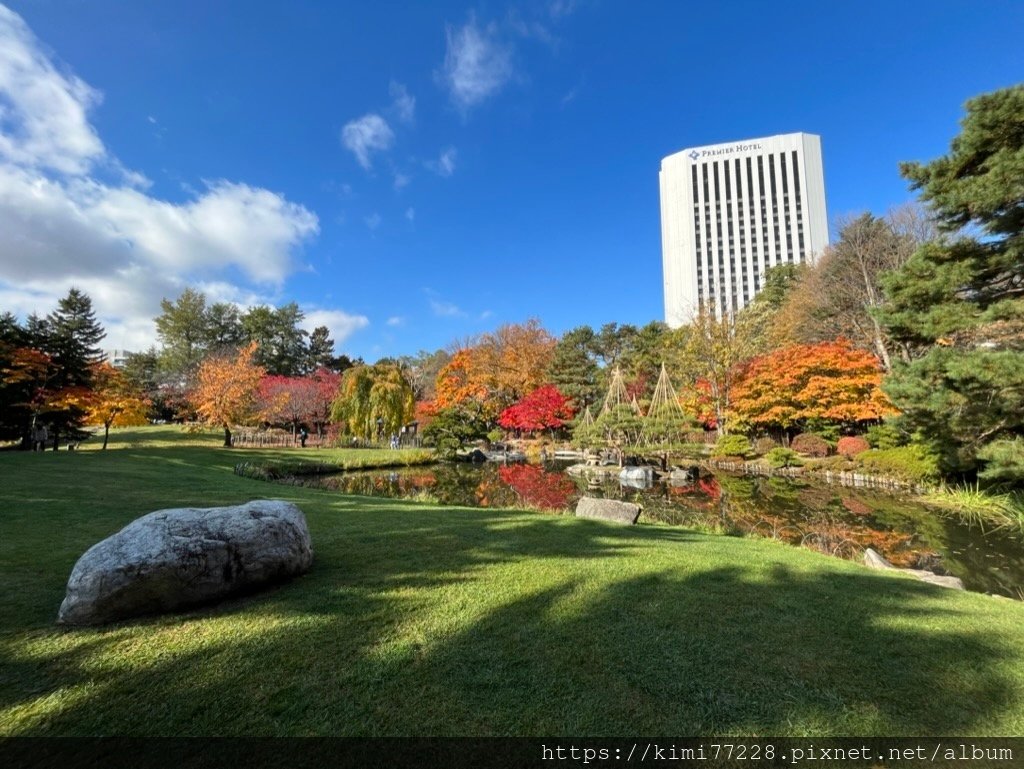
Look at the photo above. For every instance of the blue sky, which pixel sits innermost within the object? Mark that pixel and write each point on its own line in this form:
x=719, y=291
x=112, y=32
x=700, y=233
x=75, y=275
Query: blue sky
x=414, y=173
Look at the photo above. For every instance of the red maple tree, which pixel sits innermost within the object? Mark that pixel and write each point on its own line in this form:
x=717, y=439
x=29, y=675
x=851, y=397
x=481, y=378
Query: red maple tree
x=543, y=409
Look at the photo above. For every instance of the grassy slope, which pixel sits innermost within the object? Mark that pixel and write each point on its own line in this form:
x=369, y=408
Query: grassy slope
x=424, y=620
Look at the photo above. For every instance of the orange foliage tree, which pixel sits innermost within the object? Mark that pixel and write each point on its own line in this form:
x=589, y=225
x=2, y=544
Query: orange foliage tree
x=114, y=400
x=226, y=389
x=498, y=370
x=459, y=381
x=830, y=380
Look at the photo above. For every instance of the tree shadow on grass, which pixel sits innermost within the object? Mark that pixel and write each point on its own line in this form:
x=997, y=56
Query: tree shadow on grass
x=461, y=622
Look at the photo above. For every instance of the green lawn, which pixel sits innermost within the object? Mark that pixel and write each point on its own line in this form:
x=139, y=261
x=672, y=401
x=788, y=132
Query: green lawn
x=427, y=620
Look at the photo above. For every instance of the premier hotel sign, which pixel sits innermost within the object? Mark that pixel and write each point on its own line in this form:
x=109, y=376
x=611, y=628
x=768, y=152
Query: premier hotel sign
x=701, y=154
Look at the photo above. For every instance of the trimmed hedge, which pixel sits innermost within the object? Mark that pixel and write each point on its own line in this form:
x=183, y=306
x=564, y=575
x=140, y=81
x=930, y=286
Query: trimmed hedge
x=851, y=445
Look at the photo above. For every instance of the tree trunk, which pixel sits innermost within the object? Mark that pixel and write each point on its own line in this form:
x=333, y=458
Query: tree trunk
x=106, y=435
x=227, y=437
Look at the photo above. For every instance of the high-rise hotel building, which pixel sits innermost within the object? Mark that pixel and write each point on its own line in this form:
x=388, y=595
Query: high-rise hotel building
x=731, y=211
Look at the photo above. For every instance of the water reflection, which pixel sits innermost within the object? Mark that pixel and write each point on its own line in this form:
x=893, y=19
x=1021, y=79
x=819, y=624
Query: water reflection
x=834, y=520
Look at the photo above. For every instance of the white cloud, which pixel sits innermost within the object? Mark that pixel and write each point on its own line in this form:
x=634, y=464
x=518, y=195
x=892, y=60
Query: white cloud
x=402, y=102
x=410, y=213
x=559, y=9
x=366, y=135
x=395, y=320
x=60, y=226
x=444, y=309
x=373, y=220
x=445, y=164
x=486, y=314
x=341, y=324
x=476, y=63
x=43, y=112
x=401, y=180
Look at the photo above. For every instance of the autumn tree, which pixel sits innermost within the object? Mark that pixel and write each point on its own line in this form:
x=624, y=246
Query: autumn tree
x=512, y=361
x=26, y=376
x=960, y=300
x=543, y=409
x=460, y=381
x=226, y=389
x=841, y=294
x=283, y=400
x=374, y=400
x=321, y=394
x=708, y=355
x=830, y=381
x=114, y=400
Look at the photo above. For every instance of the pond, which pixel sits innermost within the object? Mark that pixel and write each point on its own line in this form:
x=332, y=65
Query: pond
x=835, y=520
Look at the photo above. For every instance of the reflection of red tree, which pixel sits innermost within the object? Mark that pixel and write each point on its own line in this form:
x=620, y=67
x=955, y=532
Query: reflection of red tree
x=701, y=496
x=710, y=487
x=537, y=487
x=707, y=487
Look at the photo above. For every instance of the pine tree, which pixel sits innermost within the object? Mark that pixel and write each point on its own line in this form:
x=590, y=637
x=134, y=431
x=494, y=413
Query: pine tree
x=320, y=353
x=573, y=368
x=182, y=329
x=958, y=304
x=72, y=338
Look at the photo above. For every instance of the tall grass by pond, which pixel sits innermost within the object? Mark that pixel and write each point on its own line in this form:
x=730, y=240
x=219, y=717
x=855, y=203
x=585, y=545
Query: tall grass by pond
x=979, y=507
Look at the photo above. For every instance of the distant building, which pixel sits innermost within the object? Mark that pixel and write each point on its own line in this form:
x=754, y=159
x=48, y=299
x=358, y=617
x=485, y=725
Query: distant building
x=731, y=211
x=117, y=358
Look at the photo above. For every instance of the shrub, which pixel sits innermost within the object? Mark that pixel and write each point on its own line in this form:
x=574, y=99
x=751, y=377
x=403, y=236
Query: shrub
x=733, y=446
x=810, y=445
x=783, y=457
x=885, y=436
x=910, y=463
x=1004, y=461
x=824, y=428
x=763, y=445
x=851, y=445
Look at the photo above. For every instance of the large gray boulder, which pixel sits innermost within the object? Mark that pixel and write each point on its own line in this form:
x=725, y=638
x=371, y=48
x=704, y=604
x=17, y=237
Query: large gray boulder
x=172, y=559
x=607, y=509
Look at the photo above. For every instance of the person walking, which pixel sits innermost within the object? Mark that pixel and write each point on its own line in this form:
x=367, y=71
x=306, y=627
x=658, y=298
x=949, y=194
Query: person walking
x=40, y=438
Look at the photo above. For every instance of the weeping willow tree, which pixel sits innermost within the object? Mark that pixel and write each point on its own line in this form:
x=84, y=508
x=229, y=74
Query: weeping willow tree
x=374, y=401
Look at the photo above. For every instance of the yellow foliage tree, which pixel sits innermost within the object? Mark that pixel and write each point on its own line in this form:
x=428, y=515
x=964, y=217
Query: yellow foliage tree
x=114, y=400
x=226, y=389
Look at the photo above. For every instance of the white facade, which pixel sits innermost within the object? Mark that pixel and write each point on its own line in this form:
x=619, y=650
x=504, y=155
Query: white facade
x=731, y=211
